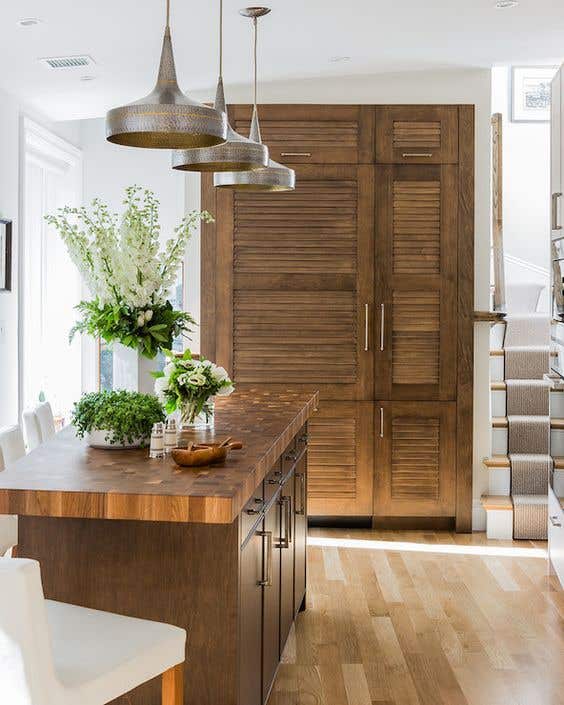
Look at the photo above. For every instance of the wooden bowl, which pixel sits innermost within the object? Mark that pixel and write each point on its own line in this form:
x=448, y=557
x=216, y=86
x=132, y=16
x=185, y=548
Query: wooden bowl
x=203, y=453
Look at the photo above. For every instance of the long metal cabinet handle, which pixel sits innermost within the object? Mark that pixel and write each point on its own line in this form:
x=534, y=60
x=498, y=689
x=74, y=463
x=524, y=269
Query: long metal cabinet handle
x=382, y=325
x=555, y=197
x=417, y=154
x=267, y=581
x=295, y=154
x=381, y=422
x=301, y=511
x=366, y=310
x=286, y=502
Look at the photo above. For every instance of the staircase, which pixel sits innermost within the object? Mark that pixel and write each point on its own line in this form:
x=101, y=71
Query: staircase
x=527, y=430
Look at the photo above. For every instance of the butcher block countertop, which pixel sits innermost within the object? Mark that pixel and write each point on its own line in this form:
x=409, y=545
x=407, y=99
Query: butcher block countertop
x=66, y=478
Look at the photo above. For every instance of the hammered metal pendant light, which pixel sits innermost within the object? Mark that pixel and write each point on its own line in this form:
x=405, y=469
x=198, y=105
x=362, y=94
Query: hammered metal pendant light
x=237, y=153
x=274, y=177
x=166, y=118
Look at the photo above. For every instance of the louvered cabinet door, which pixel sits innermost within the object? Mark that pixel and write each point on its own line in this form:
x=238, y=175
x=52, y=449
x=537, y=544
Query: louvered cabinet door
x=416, y=134
x=340, y=459
x=312, y=134
x=294, y=284
x=416, y=288
x=415, y=468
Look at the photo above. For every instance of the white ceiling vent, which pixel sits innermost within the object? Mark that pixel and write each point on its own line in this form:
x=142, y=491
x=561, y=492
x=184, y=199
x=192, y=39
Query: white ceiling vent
x=67, y=62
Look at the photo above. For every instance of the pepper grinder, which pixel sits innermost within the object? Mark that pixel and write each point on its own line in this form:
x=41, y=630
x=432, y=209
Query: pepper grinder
x=156, y=449
x=169, y=436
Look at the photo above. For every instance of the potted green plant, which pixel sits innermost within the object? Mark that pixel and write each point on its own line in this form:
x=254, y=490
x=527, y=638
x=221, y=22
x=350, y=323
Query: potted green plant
x=117, y=419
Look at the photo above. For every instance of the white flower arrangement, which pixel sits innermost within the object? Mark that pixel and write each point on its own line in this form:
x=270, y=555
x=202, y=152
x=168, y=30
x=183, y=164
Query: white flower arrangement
x=188, y=385
x=128, y=275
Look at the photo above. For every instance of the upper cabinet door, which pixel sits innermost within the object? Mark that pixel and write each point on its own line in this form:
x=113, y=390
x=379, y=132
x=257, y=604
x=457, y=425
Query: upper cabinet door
x=410, y=134
x=312, y=134
x=416, y=288
x=294, y=292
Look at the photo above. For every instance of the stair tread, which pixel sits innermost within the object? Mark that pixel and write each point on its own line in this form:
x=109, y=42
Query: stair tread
x=502, y=422
x=500, y=352
x=497, y=502
x=496, y=462
x=501, y=386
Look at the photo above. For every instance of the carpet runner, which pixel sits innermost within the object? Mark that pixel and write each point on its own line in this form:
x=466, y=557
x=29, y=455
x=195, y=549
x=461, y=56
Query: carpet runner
x=527, y=359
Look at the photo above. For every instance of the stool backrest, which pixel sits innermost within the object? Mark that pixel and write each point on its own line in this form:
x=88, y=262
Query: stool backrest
x=27, y=675
x=46, y=421
x=12, y=445
x=31, y=428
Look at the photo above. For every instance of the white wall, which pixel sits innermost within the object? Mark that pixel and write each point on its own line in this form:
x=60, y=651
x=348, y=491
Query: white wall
x=11, y=112
x=108, y=169
x=526, y=190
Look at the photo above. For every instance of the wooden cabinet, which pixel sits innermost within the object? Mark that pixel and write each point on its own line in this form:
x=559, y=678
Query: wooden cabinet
x=341, y=461
x=358, y=284
x=416, y=134
x=416, y=287
x=415, y=457
x=312, y=134
x=250, y=622
x=295, y=277
x=300, y=532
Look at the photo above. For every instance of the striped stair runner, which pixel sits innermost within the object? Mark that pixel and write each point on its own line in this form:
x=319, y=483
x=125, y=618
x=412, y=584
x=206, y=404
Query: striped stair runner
x=528, y=413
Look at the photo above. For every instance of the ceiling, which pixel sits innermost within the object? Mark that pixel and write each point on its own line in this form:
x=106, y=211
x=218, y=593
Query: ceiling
x=297, y=40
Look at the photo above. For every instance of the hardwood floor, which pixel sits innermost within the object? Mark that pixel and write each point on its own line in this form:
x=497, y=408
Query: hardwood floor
x=441, y=619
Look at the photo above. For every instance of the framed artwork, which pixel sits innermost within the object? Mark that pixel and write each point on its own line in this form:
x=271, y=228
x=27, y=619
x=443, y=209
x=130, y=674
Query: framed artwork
x=5, y=255
x=530, y=94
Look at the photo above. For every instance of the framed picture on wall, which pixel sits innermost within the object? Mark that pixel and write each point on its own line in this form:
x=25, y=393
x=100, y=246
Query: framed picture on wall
x=530, y=93
x=5, y=255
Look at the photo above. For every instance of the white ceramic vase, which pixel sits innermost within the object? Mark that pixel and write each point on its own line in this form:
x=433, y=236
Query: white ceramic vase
x=97, y=439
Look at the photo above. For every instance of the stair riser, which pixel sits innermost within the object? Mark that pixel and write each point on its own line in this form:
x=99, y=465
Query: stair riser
x=497, y=336
x=499, y=403
x=497, y=368
x=499, y=482
x=500, y=443
x=499, y=524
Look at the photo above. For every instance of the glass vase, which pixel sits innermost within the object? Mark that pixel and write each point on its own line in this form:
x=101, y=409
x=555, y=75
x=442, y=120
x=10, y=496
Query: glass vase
x=191, y=419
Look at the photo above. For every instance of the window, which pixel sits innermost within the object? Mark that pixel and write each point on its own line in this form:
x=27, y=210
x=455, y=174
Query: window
x=50, y=284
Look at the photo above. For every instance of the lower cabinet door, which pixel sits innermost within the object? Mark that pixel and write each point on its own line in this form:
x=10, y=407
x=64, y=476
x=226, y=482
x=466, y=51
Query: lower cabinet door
x=341, y=459
x=300, y=532
x=251, y=578
x=287, y=545
x=415, y=470
x=271, y=600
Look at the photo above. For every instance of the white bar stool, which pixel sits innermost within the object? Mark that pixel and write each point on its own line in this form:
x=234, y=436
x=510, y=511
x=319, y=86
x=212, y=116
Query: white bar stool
x=11, y=448
x=31, y=429
x=52, y=653
x=46, y=421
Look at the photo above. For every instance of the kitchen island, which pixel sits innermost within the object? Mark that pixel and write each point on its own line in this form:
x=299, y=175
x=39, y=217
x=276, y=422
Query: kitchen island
x=218, y=550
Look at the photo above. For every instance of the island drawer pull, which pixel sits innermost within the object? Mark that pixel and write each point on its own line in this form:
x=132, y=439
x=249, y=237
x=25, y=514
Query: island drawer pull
x=366, y=311
x=381, y=422
x=303, y=438
x=555, y=197
x=276, y=474
x=382, y=326
x=301, y=511
x=286, y=502
x=291, y=455
x=266, y=581
x=554, y=521
x=417, y=154
x=251, y=512
x=295, y=154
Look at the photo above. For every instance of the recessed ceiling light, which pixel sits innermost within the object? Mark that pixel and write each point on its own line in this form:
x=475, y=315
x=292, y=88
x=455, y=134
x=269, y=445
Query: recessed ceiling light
x=337, y=59
x=506, y=4
x=28, y=22
x=88, y=78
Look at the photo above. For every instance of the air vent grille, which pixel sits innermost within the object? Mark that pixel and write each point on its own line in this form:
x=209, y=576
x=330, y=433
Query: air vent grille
x=67, y=62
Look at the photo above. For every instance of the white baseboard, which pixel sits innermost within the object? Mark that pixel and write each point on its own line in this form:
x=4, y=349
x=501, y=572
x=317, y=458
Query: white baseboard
x=478, y=516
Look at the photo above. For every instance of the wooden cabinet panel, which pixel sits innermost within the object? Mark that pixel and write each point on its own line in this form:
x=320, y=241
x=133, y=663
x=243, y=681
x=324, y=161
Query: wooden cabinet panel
x=340, y=460
x=300, y=532
x=416, y=264
x=415, y=459
x=287, y=547
x=294, y=291
x=250, y=621
x=312, y=134
x=416, y=134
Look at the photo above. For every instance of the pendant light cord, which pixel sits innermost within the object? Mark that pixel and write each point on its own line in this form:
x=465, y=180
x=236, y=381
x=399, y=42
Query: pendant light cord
x=221, y=39
x=168, y=13
x=255, y=24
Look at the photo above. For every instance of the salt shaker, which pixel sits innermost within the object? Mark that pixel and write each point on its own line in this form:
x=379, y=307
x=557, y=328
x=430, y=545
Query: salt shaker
x=170, y=436
x=156, y=449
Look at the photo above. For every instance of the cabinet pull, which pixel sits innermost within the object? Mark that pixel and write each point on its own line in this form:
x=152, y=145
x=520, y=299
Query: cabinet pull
x=266, y=581
x=554, y=521
x=381, y=422
x=301, y=511
x=555, y=197
x=295, y=154
x=382, y=326
x=366, y=346
x=417, y=154
x=278, y=474
x=286, y=502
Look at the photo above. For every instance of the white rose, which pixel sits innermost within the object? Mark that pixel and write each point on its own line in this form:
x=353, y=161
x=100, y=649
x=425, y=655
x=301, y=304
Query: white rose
x=226, y=391
x=148, y=315
x=140, y=320
x=161, y=386
x=219, y=373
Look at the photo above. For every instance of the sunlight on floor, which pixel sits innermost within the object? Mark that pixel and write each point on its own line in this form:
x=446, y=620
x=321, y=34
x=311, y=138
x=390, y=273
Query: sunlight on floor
x=368, y=545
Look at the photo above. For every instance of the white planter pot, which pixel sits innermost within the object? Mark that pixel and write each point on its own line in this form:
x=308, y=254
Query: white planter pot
x=97, y=439
x=132, y=371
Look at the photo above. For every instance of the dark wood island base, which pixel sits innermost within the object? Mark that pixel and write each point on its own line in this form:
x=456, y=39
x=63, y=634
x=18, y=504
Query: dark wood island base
x=235, y=586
